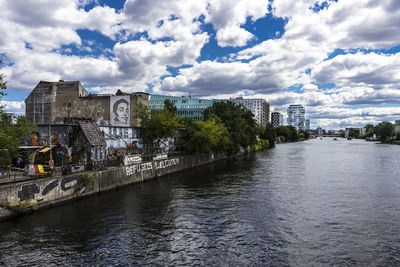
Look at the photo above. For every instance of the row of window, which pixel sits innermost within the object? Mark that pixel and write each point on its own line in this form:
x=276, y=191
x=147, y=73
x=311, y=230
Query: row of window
x=155, y=102
x=115, y=132
x=159, y=102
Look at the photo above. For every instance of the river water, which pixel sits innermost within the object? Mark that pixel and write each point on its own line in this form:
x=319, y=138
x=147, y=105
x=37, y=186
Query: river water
x=313, y=203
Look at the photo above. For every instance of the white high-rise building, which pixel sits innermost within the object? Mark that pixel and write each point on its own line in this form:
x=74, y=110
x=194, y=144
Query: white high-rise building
x=276, y=119
x=296, y=116
x=258, y=106
x=307, y=124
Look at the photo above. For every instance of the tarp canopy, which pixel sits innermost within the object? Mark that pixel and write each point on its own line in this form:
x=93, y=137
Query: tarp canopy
x=29, y=147
x=44, y=150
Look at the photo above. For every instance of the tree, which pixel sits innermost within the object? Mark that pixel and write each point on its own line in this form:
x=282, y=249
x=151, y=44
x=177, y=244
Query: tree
x=293, y=134
x=304, y=134
x=384, y=130
x=239, y=121
x=269, y=134
x=289, y=133
x=204, y=136
x=283, y=131
x=168, y=105
x=354, y=133
x=369, y=130
x=10, y=135
x=157, y=126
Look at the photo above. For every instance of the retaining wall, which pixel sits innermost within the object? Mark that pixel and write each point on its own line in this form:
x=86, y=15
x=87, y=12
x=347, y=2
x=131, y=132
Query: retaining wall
x=43, y=192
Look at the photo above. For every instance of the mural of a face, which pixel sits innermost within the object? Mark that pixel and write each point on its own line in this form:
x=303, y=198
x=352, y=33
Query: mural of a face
x=121, y=113
x=35, y=139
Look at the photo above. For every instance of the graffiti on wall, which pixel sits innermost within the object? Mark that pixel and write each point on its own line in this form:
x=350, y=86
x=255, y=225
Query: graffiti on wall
x=139, y=168
x=28, y=191
x=49, y=187
x=78, y=108
x=69, y=183
x=166, y=163
x=162, y=164
x=35, y=139
x=120, y=110
x=31, y=191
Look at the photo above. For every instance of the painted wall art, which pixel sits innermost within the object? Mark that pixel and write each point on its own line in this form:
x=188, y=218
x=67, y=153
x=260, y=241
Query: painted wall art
x=120, y=110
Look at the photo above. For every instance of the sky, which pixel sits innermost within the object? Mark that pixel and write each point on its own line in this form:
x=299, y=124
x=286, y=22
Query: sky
x=338, y=58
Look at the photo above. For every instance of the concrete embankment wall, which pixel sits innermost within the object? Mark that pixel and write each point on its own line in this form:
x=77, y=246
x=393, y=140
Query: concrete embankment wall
x=43, y=192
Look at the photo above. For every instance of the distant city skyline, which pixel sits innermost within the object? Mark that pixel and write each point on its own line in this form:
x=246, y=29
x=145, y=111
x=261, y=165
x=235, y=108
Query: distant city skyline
x=339, y=59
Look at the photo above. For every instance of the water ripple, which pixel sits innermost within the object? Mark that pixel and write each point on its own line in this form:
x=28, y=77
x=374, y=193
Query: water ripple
x=311, y=203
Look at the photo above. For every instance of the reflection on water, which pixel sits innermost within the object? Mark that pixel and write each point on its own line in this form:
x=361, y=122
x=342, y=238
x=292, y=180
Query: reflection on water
x=320, y=202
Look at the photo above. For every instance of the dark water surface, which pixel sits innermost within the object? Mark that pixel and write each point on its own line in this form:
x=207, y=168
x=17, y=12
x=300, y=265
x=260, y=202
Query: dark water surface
x=314, y=203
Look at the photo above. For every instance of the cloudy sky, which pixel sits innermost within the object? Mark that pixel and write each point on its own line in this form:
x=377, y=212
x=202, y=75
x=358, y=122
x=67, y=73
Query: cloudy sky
x=340, y=59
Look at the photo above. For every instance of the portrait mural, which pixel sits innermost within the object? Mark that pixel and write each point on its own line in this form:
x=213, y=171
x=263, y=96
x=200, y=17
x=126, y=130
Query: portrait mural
x=119, y=110
x=35, y=139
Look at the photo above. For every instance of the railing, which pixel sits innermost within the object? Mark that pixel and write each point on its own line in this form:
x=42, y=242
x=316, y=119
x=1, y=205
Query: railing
x=14, y=174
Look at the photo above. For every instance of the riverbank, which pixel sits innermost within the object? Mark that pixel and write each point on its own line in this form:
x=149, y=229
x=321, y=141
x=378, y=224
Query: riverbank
x=27, y=196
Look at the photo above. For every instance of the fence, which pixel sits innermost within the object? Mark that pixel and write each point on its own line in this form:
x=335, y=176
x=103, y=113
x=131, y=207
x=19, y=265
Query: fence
x=14, y=174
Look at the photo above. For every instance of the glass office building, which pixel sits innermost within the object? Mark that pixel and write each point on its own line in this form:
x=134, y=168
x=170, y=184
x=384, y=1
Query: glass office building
x=186, y=106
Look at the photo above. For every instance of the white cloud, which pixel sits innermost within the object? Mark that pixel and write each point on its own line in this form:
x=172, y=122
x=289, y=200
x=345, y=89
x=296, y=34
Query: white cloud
x=16, y=107
x=227, y=17
x=172, y=37
x=210, y=77
x=375, y=70
x=233, y=36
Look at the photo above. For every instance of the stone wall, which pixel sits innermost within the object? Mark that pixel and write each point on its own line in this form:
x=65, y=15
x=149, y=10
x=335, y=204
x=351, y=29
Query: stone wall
x=51, y=190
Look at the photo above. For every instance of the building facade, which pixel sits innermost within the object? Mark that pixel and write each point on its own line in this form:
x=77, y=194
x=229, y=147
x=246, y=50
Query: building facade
x=397, y=126
x=307, y=124
x=68, y=103
x=276, y=119
x=60, y=102
x=186, y=106
x=296, y=116
x=258, y=106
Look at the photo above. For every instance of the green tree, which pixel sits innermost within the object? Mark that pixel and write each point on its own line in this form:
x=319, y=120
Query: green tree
x=354, y=133
x=204, y=136
x=289, y=133
x=239, y=121
x=269, y=134
x=283, y=131
x=398, y=136
x=168, y=105
x=293, y=134
x=304, y=134
x=157, y=126
x=369, y=130
x=384, y=131
x=10, y=135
